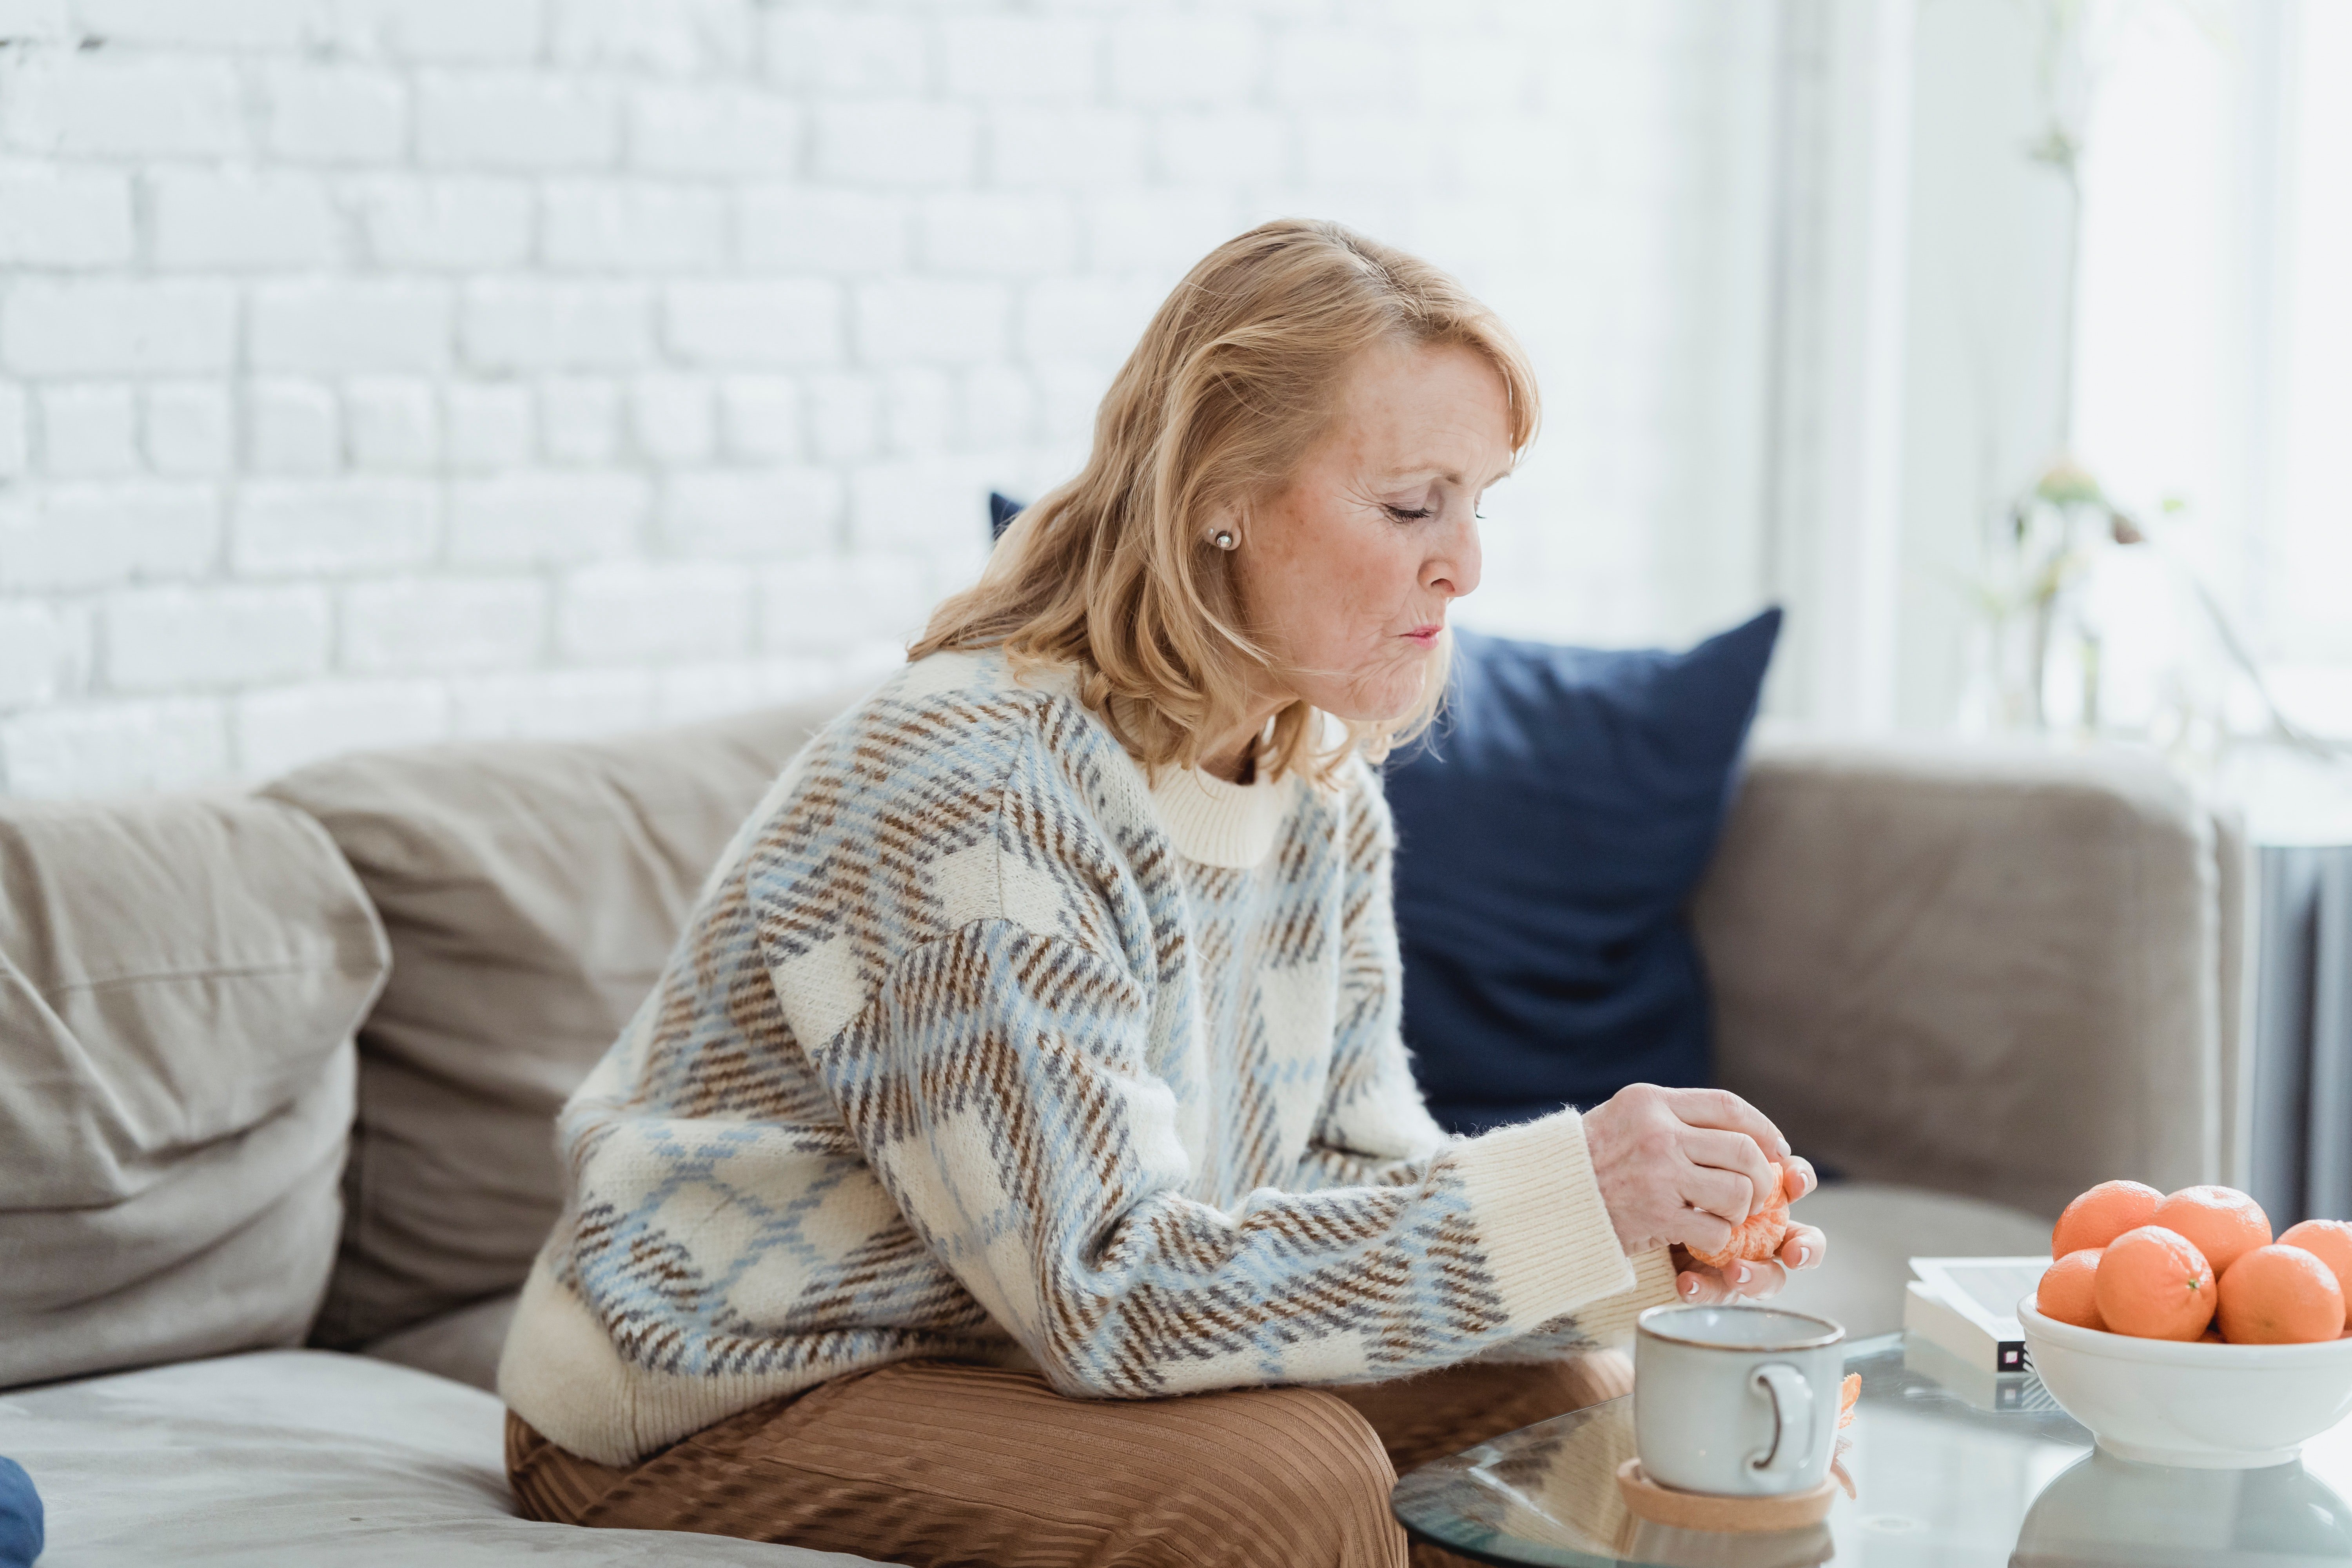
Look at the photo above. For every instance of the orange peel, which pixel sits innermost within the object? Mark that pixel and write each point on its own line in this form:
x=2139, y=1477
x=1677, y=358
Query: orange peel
x=1756, y=1239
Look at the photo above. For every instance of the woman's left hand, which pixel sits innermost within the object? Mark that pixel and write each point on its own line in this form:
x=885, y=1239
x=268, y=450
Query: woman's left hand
x=1802, y=1247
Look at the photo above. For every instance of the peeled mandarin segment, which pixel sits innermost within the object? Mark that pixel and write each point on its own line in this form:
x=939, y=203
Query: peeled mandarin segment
x=1848, y=1392
x=2280, y=1296
x=2068, y=1290
x=2102, y=1214
x=2330, y=1241
x=2222, y=1223
x=1758, y=1238
x=2153, y=1283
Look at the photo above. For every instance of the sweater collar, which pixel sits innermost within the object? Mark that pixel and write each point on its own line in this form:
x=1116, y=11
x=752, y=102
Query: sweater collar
x=1220, y=824
x=1209, y=821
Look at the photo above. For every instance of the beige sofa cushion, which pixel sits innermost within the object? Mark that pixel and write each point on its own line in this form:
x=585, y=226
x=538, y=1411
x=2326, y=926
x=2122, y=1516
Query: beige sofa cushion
x=305, y=1459
x=179, y=981
x=1991, y=970
x=463, y=1345
x=533, y=891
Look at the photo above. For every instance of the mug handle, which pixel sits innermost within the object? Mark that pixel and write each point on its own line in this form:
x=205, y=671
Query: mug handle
x=1792, y=1404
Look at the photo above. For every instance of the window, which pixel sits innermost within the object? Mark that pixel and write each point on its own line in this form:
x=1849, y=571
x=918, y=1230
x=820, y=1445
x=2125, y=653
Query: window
x=2213, y=390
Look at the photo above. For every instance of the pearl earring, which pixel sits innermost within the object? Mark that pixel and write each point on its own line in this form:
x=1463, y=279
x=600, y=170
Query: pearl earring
x=1224, y=538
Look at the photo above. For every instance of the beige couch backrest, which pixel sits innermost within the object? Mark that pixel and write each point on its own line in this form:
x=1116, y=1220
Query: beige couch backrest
x=2003, y=971
x=531, y=892
x=179, y=981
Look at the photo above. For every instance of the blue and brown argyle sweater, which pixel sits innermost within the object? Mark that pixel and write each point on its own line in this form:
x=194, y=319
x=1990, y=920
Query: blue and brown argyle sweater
x=980, y=1044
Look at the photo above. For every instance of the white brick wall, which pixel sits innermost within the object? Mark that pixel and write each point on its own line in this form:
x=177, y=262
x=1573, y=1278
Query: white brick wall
x=375, y=370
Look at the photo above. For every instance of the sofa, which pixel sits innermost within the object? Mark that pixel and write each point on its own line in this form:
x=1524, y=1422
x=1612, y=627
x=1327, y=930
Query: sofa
x=277, y=1069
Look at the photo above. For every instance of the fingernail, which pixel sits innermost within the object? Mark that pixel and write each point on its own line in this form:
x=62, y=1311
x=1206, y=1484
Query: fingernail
x=1690, y=1286
x=1784, y=1146
x=1805, y=1255
x=1744, y=1275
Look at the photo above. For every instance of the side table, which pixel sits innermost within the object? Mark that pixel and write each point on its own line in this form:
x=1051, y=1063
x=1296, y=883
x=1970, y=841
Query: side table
x=1953, y=1468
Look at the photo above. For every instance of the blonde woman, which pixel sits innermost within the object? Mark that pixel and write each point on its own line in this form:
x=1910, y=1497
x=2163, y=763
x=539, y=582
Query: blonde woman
x=1018, y=1162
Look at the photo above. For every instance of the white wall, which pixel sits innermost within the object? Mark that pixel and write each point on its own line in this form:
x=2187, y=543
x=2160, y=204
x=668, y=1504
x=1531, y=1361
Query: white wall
x=377, y=371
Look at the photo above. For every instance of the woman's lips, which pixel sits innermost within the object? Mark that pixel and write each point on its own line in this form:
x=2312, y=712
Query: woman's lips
x=1425, y=635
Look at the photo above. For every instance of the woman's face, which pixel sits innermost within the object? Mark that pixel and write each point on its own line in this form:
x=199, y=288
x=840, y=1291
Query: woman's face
x=1345, y=574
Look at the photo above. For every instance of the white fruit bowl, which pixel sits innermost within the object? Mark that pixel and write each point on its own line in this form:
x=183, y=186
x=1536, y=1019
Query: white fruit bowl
x=2206, y=1406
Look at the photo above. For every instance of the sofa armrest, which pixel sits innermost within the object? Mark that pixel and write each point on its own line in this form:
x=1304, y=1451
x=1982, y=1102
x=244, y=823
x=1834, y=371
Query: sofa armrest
x=1994, y=970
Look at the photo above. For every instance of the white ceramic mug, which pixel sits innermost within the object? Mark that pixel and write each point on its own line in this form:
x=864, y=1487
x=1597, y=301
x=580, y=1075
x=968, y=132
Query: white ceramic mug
x=1738, y=1401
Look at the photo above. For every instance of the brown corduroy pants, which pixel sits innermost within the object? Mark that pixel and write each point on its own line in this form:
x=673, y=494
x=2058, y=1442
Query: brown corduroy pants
x=930, y=1463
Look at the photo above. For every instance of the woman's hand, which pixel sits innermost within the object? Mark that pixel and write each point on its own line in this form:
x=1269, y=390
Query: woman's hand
x=1684, y=1167
x=1680, y=1165
x=1802, y=1247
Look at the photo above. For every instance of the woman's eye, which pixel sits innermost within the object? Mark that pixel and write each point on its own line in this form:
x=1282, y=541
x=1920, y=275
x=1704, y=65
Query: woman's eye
x=1408, y=514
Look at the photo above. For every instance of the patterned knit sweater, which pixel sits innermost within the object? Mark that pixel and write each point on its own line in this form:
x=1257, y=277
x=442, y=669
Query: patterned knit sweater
x=979, y=1045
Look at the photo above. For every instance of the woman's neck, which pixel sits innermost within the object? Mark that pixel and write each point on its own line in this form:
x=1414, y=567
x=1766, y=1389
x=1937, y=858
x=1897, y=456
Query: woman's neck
x=1232, y=757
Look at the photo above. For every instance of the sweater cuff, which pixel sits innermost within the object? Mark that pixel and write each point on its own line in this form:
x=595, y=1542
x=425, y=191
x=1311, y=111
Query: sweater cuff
x=1607, y=1322
x=1537, y=1205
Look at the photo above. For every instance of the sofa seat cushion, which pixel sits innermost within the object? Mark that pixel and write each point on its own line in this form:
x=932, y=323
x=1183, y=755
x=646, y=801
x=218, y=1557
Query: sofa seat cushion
x=298, y=1458
x=1875, y=1228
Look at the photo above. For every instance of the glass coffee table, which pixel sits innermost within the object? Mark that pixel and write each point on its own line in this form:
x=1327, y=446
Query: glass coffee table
x=1952, y=1469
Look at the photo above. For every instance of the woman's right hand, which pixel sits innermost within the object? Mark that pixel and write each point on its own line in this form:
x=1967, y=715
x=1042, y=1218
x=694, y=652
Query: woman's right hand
x=1680, y=1165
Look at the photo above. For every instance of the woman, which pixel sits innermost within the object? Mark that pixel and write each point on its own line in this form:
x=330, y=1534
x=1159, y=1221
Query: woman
x=1032, y=1057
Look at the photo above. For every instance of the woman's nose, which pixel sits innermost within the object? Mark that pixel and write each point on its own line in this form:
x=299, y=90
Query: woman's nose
x=1453, y=570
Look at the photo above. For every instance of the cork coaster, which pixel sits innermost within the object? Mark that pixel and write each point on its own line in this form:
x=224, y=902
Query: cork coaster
x=1706, y=1510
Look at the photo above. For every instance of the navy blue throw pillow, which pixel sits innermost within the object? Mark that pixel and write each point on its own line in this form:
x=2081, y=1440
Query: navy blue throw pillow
x=1549, y=834
x=20, y=1517
x=1002, y=509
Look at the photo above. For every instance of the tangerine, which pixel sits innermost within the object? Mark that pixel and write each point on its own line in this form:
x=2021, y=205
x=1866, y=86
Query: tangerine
x=2154, y=1283
x=2280, y=1296
x=2330, y=1241
x=2102, y=1214
x=2222, y=1223
x=1758, y=1238
x=2065, y=1291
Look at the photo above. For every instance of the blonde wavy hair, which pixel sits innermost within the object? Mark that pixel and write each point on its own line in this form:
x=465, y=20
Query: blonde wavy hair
x=1239, y=375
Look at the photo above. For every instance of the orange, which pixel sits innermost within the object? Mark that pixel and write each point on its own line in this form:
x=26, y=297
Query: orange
x=2330, y=1241
x=2066, y=1292
x=2102, y=1214
x=2222, y=1223
x=1759, y=1236
x=2280, y=1296
x=2154, y=1283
